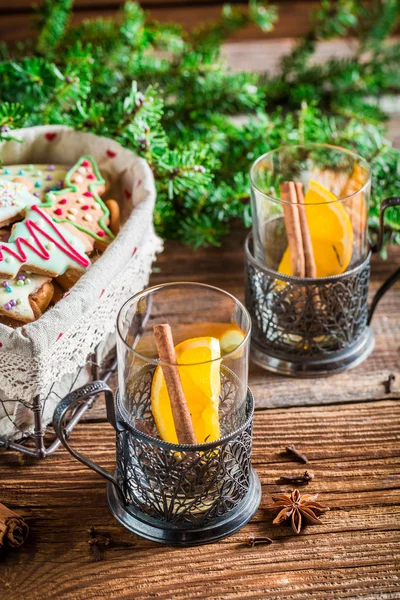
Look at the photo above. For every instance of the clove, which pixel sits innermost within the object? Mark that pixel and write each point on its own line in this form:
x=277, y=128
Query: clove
x=297, y=479
x=97, y=542
x=389, y=383
x=101, y=541
x=291, y=449
x=254, y=540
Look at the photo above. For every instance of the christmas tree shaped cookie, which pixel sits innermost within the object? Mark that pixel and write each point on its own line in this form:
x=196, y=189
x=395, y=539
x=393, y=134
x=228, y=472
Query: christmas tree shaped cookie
x=79, y=207
x=41, y=246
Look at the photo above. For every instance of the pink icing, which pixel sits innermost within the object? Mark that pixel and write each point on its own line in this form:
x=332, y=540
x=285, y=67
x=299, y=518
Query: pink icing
x=41, y=251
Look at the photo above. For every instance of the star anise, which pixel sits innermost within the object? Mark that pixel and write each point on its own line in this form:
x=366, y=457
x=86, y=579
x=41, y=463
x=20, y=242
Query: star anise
x=297, y=507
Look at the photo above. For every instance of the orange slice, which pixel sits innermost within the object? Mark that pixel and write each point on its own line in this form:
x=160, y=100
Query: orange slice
x=231, y=338
x=201, y=384
x=356, y=206
x=330, y=231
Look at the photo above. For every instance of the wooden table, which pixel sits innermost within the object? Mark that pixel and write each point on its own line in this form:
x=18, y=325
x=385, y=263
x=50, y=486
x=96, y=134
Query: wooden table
x=352, y=442
x=347, y=425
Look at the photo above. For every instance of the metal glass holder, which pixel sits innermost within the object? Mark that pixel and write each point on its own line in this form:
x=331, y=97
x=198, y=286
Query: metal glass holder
x=172, y=493
x=311, y=327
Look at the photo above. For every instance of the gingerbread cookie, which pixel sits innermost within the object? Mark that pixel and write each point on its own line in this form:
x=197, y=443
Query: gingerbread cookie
x=14, y=323
x=41, y=246
x=25, y=298
x=39, y=179
x=14, y=198
x=115, y=218
x=79, y=206
x=58, y=293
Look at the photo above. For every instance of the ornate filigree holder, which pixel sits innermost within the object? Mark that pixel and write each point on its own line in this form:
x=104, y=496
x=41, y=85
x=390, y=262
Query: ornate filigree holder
x=170, y=493
x=310, y=327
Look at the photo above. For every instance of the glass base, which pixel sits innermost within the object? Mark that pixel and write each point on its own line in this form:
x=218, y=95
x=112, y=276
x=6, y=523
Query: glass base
x=163, y=534
x=315, y=367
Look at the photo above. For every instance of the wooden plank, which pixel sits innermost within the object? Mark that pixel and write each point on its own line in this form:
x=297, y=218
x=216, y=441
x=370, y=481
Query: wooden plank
x=294, y=19
x=264, y=55
x=26, y=5
x=354, y=455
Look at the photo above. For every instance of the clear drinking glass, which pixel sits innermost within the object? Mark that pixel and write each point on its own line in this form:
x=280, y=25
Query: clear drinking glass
x=336, y=186
x=192, y=310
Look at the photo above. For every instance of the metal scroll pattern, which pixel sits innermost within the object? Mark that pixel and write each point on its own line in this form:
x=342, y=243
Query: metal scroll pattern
x=184, y=488
x=307, y=318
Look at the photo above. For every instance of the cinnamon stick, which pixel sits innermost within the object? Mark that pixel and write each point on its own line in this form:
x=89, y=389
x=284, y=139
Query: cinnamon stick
x=309, y=262
x=13, y=529
x=180, y=411
x=293, y=229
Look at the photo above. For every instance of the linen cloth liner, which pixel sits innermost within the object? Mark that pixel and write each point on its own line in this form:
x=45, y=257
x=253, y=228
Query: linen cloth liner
x=37, y=355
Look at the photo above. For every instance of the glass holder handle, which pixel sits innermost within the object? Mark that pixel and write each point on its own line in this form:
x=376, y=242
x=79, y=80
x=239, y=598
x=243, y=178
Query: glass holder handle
x=395, y=276
x=71, y=402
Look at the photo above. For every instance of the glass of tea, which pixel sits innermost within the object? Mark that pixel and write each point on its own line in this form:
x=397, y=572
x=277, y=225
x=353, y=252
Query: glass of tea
x=183, y=416
x=308, y=260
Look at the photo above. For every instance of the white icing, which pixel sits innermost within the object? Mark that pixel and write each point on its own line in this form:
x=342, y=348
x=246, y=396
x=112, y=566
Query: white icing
x=20, y=293
x=13, y=196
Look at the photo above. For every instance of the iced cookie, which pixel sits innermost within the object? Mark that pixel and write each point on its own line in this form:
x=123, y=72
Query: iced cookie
x=14, y=323
x=114, y=225
x=115, y=219
x=25, y=298
x=79, y=206
x=58, y=293
x=39, y=179
x=14, y=198
x=5, y=233
x=41, y=246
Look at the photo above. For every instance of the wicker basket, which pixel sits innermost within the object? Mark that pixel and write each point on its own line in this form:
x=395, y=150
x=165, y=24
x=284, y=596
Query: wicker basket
x=40, y=362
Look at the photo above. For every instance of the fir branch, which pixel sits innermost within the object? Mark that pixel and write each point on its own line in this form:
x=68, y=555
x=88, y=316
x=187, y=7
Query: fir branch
x=52, y=21
x=178, y=108
x=382, y=19
x=12, y=116
x=233, y=18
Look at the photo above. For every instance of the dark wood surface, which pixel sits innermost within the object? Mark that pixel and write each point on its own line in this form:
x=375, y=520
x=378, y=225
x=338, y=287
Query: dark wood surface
x=348, y=427
x=354, y=453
